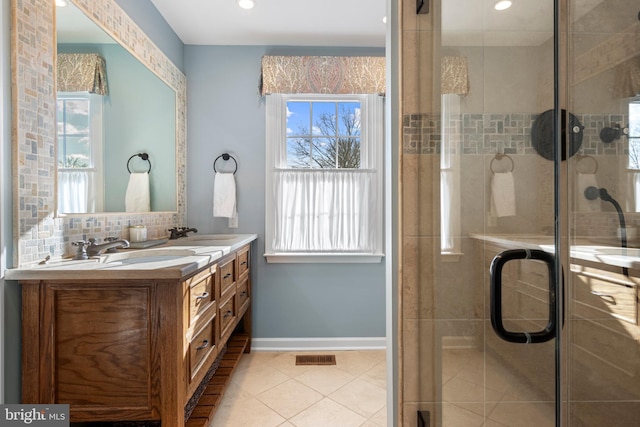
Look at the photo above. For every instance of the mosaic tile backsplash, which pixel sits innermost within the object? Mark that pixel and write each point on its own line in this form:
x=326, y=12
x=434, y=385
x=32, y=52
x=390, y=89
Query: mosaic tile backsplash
x=38, y=233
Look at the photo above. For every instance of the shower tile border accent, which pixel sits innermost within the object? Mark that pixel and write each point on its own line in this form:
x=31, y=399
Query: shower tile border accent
x=38, y=232
x=509, y=133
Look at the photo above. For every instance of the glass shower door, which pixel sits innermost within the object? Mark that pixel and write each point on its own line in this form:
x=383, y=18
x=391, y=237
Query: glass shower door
x=495, y=341
x=553, y=339
x=603, y=337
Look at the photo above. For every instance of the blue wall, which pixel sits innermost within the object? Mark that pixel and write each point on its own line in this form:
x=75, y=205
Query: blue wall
x=226, y=114
x=139, y=116
x=149, y=19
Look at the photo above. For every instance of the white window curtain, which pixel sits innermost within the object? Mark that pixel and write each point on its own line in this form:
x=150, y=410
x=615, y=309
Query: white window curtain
x=450, y=225
x=324, y=211
x=75, y=191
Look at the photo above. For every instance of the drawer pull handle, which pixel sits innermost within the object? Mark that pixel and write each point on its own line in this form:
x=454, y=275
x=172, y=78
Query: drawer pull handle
x=243, y=263
x=204, y=345
x=243, y=293
x=204, y=295
x=226, y=276
x=608, y=298
x=228, y=314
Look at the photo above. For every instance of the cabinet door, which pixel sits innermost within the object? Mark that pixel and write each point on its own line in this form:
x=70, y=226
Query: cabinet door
x=98, y=350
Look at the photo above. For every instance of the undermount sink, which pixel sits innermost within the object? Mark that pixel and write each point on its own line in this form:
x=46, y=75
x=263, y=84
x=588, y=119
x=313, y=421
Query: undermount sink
x=146, y=256
x=628, y=252
x=212, y=237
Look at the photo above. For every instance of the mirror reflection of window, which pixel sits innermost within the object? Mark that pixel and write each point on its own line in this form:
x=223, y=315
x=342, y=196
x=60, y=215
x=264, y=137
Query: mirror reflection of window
x=634, y=148
x=79, y=133
x=634, y=133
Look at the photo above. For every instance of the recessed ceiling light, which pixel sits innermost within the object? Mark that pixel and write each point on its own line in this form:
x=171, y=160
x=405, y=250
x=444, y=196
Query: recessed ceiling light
x=246, y=4
x=61, y=3
x=502, y=5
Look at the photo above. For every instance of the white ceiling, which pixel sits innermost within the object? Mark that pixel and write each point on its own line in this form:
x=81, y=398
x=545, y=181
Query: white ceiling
x=277, y=22
x=354, y=23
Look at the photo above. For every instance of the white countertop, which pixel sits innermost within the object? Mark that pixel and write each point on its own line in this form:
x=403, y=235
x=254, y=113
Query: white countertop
x=581, y=248
x=173, y=260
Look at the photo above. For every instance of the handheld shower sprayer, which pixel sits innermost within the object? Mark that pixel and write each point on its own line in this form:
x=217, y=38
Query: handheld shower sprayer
x=592, y=193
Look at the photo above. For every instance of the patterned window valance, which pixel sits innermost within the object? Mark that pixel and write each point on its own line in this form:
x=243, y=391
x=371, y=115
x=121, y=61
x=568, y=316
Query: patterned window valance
x=454, y=78
x=80, y=72
x=323, y=74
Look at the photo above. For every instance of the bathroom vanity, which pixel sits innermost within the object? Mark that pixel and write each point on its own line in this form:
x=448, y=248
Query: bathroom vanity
x=603, y=333
x=138, y=335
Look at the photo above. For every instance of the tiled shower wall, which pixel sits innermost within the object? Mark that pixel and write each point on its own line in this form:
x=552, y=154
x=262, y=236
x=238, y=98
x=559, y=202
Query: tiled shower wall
x=492, y=133
x=38, y=232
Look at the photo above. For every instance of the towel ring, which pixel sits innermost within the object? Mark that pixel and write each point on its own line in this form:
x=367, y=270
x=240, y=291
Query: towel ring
x=225, y=157
x=143, y=156
x=500, y=157
x=581, y=157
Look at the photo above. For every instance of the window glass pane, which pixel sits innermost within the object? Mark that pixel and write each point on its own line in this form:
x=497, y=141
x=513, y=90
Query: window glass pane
x=77, y=153
x=74, y=144
x=349, y=153
x=634, y=135
x=324, y=118
x=77, y=116
x=349, y=118
x=298, y=116
x=323, y=154
x=634, y=119
x=298, y=152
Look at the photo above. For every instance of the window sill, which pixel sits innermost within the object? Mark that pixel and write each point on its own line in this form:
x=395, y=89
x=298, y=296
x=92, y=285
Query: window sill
x=313, y=258
x=451, y=256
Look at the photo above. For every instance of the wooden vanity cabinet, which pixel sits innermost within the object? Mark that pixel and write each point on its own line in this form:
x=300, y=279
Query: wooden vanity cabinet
x=127, y=350
x=605, y=341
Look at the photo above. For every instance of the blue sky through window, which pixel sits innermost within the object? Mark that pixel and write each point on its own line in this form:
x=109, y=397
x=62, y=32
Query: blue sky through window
x=323, y=134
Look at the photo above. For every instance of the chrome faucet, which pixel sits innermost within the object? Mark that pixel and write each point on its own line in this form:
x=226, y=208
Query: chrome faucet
x=180, y=232
x=94, y=248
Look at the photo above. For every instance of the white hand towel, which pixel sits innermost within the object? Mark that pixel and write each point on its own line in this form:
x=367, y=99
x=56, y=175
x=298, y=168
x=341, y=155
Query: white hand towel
x=503, y=195
x=224, y=195
x=137, y=198
x=586, y=180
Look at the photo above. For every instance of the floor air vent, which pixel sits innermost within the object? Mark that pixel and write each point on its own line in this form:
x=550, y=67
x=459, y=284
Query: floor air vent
x=316, y=360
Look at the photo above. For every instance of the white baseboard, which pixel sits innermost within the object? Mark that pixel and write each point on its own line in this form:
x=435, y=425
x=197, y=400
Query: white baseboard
x=318, y=344
x=453, y=342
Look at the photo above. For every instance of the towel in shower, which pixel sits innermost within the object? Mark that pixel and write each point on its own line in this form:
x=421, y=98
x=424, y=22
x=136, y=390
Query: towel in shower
x=224, y=195
x=137, y=198
x=584, y=181
x=503, y=195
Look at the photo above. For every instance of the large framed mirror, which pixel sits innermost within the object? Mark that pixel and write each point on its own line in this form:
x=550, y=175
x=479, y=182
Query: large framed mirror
x=126, y=110
x=39, y=230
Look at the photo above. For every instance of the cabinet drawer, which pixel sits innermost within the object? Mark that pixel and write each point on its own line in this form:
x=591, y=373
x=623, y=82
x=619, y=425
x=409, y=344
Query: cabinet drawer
x=201, y=296
x=600, y=297
x=227, y=312
x=243, y=261
x=227, y=275
x=201, y=346
x=243, y=293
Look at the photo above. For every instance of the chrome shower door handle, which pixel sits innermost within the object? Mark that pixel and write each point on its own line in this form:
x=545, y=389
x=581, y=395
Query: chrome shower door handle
x=524, y=337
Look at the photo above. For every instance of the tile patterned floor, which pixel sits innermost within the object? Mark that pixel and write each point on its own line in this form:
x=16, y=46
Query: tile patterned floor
x=269, y=390
x=479, y=391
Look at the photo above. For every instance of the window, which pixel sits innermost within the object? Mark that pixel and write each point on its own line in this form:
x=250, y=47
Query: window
x=79, y=132
x=450, y=203
x=634, y=133
x=324, y=178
